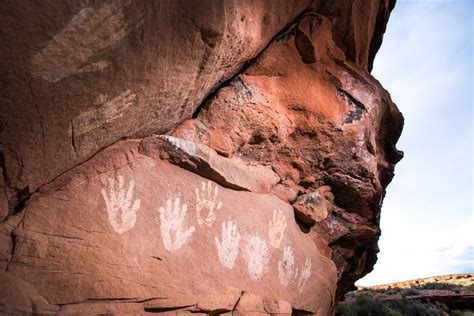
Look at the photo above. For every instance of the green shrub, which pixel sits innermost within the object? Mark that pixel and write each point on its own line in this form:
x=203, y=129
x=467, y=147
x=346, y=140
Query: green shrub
x=458, y=312
x=439, y=286
x=365, y=305
x=469, y=287
x=442, y=306
x=413, y=308
x=409, y=292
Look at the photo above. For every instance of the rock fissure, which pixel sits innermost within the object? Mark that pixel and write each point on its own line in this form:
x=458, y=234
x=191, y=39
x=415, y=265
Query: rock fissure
x=13, y=241
x=167, y=309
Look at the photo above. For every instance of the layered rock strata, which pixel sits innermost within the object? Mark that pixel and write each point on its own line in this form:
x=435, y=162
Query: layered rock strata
x=159, y=156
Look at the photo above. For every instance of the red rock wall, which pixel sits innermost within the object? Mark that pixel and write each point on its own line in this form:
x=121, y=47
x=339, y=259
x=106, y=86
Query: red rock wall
x=163, y=156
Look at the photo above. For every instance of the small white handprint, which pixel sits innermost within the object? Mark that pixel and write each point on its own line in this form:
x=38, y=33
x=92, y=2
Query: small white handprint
x=206, y=199
x=172, y=222
x=228, y=248
x=285, y=266
x=257, y=258
x=304, y=275
x=121, y=212
x=276, y=228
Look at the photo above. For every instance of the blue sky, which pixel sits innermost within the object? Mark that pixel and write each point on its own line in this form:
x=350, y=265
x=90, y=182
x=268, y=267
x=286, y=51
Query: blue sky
x=426, y=63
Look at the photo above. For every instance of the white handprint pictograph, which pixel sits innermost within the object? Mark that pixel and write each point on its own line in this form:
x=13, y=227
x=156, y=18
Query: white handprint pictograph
x=228, y=247
x=122, y=213
x=256, y=255
x=206, y=199
x=276, y=228
x=173, y=219
x=304, y=275
x=285, y=266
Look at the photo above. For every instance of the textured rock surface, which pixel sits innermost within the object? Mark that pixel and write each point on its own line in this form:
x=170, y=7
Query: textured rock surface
x=78, y=77
x=162, y=157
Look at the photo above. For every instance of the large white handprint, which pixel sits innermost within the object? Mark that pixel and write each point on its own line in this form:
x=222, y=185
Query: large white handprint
x=121, y=212
x=285, y=266
x=256, y=252
x=172, y=222
x=206, y=199
x=304, y=275
x=228, y=248
x=276, y=228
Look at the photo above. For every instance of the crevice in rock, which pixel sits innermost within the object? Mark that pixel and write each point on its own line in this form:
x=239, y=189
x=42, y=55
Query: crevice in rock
x=238, y=300
x=6, y=181
x=106, y=299
x=165, y=309
x=16, y=198
x=13, y=242
x=56, y=235
x=73, y=138
x=219, y=311
x=22, y=199
x=300, y=312
x=119, y=300
x=305, y=47
x=144, y=300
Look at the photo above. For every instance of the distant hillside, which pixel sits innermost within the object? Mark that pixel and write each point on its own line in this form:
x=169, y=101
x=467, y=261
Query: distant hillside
x=456, y=279
x=444, y=295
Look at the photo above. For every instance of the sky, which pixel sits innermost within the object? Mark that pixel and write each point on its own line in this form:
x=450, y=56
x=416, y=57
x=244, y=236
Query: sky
x=426, y=63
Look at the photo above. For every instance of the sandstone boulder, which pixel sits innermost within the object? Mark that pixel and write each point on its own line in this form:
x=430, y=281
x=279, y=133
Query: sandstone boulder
x=129, y=226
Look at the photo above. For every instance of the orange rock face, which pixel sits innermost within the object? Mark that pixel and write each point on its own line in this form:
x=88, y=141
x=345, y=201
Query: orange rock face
x=157, y=157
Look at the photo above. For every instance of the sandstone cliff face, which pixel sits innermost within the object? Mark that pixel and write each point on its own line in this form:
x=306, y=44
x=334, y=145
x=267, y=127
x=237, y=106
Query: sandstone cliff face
x=159, y=156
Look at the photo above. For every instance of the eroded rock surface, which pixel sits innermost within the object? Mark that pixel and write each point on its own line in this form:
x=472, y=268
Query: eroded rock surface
x=164, y=157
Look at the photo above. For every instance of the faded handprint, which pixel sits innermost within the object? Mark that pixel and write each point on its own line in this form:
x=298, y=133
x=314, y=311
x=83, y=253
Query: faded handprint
x=104, y=111
x=256, y=252
x=285, y=266
x=228, y=248
x=172, y=222
x=77, y=47
x=304, y=275
x=122, y=213
x=276, y=228
x=206, y=199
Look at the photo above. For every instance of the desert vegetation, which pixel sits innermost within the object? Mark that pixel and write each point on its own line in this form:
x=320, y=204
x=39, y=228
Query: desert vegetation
x=431, y=298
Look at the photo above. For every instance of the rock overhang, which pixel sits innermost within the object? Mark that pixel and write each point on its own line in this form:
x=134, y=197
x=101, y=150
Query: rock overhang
x=125, y=225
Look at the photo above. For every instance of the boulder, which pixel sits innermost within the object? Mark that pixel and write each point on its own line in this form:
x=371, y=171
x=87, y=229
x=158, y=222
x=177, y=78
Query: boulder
x=139, y=229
